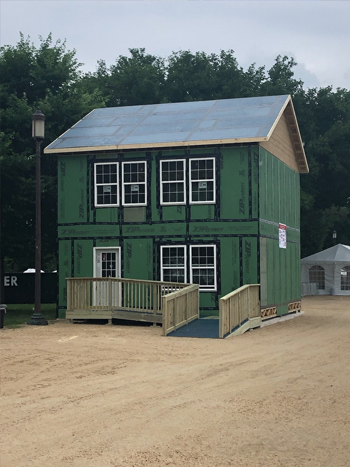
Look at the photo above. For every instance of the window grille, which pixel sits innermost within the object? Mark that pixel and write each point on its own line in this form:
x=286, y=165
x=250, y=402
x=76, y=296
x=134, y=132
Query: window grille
x=172, y=182
x=106, y=184
x=317, y=274
x=202, y=181
x=345, y=278
x=134, y=183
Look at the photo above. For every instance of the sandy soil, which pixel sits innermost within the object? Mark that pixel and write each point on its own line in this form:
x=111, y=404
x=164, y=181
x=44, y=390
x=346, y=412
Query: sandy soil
x=94, y=395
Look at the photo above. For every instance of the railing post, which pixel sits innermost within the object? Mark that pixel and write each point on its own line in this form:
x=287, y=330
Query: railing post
x=69, y=294
x=109, y=294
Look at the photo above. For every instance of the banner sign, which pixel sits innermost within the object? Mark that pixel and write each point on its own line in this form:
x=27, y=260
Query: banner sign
x=282, y=235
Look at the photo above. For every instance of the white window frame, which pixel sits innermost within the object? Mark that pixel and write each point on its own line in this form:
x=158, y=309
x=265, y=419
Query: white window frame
x=345, y=281
x=202, y=181
x=106, y=184
x=203, y=288
x=163, y=268
x=317, y=274
x=134, y=183
x=163, y=182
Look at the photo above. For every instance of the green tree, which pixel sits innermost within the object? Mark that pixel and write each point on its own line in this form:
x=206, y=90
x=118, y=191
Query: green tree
x=325, y=124
x=135, y=80
x=47, y=77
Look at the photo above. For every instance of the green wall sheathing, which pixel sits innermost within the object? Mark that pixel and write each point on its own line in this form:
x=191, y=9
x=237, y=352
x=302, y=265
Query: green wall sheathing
x=88, y=230
x=249, y=260
x=234, y=183
x=72, y=189
x=106, y=242
x=224, y=228
x=230, y=264
x=251, y=184
x=279, y=203
x=202, y=212
x=83, y=258
x=174, y=213
x=64, y=271
x=173, y=229
x=138, y=258
x=107, y=215
x=255, y=162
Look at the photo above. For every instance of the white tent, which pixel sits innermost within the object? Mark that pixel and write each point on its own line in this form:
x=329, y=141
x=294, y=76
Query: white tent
x=329, y=270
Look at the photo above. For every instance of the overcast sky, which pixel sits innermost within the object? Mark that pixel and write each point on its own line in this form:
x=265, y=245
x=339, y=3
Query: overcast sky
x=315, y=32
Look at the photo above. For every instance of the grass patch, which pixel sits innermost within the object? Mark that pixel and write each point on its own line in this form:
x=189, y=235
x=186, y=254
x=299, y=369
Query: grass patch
x=19, y=315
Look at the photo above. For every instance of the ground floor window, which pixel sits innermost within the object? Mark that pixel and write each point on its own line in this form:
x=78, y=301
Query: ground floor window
x=201, y=268
x=173, y=263
x=345, y=278
x=317, y=274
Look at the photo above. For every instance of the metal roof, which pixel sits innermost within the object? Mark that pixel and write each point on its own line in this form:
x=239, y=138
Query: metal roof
x=177, y=124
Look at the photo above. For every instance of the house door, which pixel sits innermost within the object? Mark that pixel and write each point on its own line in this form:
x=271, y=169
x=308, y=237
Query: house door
x=107, y=264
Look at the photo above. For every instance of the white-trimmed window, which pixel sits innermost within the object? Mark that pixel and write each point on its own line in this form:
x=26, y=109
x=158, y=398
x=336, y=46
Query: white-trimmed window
x=173, y=263
x=318, y=274
x=134, y=184
x=345, y=278
x=106, y=184
x=172, y=182
x=202, y=181
x=203, y=266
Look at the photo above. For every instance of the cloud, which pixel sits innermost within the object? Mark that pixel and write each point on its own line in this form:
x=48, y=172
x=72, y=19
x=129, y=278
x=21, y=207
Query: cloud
x=315, y=33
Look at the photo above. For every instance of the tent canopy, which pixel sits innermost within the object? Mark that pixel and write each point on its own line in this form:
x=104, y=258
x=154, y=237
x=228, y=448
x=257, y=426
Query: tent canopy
x=329, y=270
x=336, y=254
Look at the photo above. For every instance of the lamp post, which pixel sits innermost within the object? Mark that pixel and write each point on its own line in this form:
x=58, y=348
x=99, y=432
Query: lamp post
x=334, y=236
x=38, y=133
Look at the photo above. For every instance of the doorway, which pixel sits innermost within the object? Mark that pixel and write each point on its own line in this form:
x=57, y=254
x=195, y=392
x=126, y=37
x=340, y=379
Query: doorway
x=107, y=264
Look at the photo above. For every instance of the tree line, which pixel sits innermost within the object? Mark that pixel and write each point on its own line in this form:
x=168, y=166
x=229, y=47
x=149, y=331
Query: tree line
x=49, y=77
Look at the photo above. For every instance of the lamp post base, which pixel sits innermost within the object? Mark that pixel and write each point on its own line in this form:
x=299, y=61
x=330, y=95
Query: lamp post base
x=37, y=319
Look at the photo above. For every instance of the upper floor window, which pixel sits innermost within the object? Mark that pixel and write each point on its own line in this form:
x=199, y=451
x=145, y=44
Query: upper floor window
x=172, y=182
x=134, y=184
x=106, y=184
x=202, y=181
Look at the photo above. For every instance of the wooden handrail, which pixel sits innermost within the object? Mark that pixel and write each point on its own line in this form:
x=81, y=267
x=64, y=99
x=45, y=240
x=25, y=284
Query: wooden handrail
x=110, y=293
x=180, y=308
x=237, y=307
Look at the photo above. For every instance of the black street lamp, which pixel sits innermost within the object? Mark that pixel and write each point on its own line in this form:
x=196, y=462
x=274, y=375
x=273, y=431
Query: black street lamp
x=334, y=236
x=38, y=133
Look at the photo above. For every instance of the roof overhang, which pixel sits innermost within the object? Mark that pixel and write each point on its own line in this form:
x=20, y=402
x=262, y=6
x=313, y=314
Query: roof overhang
x=124, y=147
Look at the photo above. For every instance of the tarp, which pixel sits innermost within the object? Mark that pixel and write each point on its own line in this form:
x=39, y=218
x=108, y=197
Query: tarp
x=333, y=270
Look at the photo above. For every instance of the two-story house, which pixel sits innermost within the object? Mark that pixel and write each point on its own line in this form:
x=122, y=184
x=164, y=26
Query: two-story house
x=199, y=192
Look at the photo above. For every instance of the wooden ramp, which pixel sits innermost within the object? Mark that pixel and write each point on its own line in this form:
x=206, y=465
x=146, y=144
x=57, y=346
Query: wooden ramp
x=135, y=315
x=203, y=327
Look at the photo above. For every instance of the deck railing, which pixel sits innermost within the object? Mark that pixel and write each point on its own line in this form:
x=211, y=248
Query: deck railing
x=180, y=308
x=237, y=308
x=97, y=297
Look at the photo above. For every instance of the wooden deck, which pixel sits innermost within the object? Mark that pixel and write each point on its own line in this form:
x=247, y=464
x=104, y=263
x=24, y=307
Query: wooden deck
x=169, y=303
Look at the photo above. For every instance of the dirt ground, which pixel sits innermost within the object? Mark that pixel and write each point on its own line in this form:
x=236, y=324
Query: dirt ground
x=98, y=395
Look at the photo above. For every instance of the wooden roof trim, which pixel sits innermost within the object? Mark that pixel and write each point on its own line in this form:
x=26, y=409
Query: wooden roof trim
x=288, y=110
x=155, y=145
x=296, y=138
x=283, y=108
